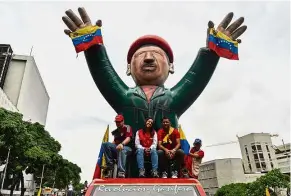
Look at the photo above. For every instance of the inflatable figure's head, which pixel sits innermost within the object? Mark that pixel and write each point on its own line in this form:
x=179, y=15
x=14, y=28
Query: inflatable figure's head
x=150, y=60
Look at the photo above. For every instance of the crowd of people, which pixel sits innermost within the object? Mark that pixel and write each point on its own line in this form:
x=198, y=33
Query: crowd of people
x=161, y=147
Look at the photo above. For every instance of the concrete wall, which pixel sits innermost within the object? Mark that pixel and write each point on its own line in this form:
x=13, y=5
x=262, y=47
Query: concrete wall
x=229, y=171
x=283, y=158
x=252, y=177
x=25, y=88
x=6, y=103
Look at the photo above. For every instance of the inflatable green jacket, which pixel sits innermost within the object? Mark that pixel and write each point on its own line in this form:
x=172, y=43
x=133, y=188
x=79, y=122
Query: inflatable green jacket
x=132, y=102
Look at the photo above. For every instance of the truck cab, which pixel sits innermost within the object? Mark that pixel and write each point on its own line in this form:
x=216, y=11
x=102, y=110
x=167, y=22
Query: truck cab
x=145, y=187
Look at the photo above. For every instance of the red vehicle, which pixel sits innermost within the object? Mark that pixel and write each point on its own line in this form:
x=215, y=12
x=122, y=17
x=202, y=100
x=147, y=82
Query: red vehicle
x=145, y=187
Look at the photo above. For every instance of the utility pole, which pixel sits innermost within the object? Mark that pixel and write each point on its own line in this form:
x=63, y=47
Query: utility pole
x=5, y=169
x=54, y=179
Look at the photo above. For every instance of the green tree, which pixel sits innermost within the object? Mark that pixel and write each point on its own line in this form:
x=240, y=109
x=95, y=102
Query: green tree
x=60, y=176
x=31, y=147
x=233, y=189
x=273, y=179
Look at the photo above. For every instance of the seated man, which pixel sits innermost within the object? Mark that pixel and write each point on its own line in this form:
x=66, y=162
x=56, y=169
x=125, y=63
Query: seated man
x=169, y=148
x=194, y=159
x=146, y=144
x=118, y=148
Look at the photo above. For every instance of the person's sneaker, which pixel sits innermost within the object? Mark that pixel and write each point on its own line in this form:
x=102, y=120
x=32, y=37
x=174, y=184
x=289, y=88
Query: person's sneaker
x=155, y=174
x=185, y=173
x=142, y=173
x=164, y=175
x=107, y=171
x=121, y=175
x=174, y=174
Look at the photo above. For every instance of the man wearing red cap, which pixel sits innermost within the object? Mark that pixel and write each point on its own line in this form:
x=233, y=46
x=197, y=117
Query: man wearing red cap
x=150, y=60
x=118, y=148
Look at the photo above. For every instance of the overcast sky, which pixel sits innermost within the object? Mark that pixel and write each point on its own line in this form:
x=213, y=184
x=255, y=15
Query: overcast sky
x=249, y=95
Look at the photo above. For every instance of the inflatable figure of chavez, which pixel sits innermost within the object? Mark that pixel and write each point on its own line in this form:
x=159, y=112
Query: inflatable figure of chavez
x=150, y=60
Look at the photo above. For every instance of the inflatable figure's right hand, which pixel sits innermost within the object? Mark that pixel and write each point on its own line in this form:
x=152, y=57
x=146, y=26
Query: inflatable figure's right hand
x=74, y=23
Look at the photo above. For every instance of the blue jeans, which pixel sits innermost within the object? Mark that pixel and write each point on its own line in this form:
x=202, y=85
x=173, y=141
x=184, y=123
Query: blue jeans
x=111, y=153
x=140, y=159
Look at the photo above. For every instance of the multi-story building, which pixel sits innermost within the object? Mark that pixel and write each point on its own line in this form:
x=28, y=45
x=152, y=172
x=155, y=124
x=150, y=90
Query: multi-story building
x=283, y=157
x=24, y=86
x=258, y=157
x=219, y=172
x=22, y=90
x=257, y=152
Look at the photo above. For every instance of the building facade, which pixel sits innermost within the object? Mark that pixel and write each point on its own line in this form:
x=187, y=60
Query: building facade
x=257, y=152
x=283, y=158
x=24, y=87
x=219, y=172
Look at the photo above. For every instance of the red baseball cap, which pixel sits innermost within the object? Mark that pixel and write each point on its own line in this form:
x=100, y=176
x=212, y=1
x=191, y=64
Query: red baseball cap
x=119, y=118
x=150, y=40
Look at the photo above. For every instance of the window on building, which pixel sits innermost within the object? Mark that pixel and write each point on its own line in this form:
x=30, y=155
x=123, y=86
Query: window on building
x=248, y=158
x=261, y=157
x=272, y=165
x=259, y=147
x=246, y=150
x=254, y=148
x=267, y=147
x=269, y=155
x=250, y=167
x=263, y=165
x=258, y=165
x=256, y=157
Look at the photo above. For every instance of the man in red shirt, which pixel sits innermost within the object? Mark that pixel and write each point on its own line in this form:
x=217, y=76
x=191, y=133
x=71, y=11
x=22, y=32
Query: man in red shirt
x=169, y=148
x=194, y=159
x=118, y=148
x=146, y=144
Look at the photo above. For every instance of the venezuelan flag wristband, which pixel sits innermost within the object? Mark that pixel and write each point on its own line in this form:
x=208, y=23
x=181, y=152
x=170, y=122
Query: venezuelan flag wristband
x=85, y=37
x=222, y=45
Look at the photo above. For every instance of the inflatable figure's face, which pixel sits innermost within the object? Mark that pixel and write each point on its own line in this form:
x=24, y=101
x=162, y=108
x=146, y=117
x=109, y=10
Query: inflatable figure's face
x=150, y=66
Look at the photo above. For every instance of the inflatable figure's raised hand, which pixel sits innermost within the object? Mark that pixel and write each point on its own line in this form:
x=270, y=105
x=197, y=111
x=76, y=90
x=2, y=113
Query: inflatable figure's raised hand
x=74, y=23
x=223, y=40
x=82, y=32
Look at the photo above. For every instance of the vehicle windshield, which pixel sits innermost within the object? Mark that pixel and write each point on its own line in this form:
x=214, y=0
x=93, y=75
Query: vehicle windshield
x=145, y=190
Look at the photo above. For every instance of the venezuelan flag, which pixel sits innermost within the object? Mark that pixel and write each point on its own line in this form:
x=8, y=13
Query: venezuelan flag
x=39, y=192
x=223, y=45
x=267, y=192
x=184, y=143
x=101, y=158
x=85, y=37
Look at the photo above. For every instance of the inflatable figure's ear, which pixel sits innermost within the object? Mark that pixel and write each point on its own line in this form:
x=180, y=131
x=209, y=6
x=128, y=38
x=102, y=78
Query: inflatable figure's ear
x=128, y=70
x=171, y=70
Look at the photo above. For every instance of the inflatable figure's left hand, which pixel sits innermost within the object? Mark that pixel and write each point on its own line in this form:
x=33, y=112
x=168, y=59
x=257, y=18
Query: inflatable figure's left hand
x=233, y=31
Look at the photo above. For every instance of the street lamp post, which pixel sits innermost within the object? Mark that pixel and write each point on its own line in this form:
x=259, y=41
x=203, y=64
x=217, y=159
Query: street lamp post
x=5, y=169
